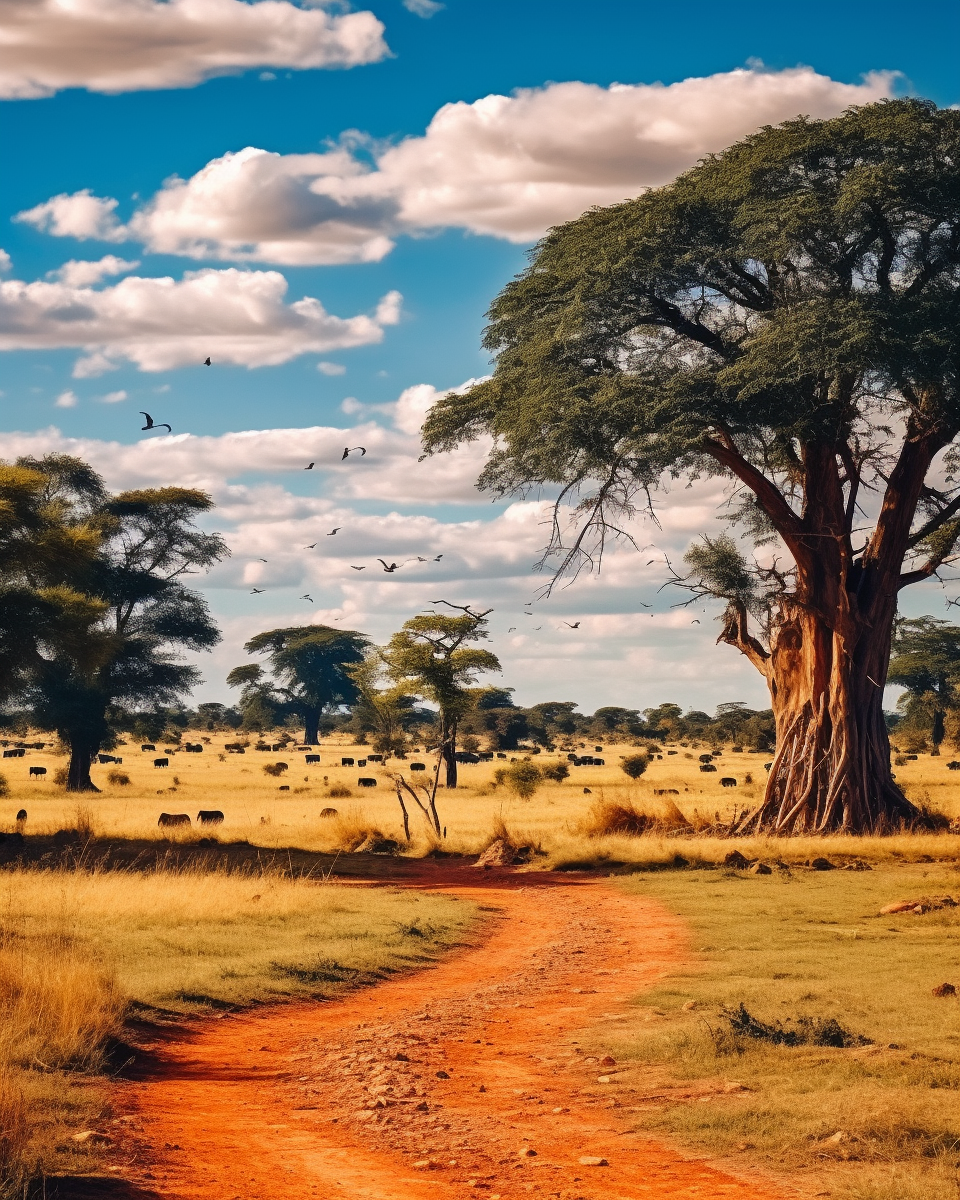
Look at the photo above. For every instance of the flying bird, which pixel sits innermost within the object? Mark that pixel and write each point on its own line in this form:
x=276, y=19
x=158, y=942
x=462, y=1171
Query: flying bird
x=150, y=423
x=305, y=597
x=437, y=559
x=348, y=450
x=207, y=362
x=651, y=562
x=308, y=467
x=313, y=547
x=261, y=560
x=537, y=628
x=353, y=568
x=391, y=568
x=256, y=591
x=575, y=625
x=512, y=629
x=333, y=531
x=695, y=621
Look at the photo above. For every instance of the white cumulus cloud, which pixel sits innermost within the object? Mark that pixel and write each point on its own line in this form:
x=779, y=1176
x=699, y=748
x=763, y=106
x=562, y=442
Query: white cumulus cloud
x=129, y=45
x=507, y=166
x=83, y=273
x=238, y=317
x=66, y=400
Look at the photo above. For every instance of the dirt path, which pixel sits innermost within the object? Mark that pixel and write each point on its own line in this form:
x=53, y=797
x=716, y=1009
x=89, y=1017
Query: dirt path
x=438, y=1084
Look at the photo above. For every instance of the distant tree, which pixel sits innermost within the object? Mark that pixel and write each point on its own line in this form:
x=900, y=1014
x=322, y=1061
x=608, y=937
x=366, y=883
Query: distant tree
x=926, y=661
x=494, y=697
x=614, y=719
x=522, y=777
x=310, y=669
x=132, y=618
x=431, y=657
x=634, y=765
x=784, y=316
x=386, y=709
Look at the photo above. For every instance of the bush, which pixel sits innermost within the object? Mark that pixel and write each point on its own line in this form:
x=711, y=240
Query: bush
x=522, y=777
x=60, y=776
x=618, y=817
x=275, y=769
x=119, y=778
x=634, y=765
x=558, y=772
x=339, y=791
x=4, y=786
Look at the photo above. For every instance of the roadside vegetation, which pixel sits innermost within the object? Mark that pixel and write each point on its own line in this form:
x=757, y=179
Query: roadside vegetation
x=870, y=1113
x=82, y=951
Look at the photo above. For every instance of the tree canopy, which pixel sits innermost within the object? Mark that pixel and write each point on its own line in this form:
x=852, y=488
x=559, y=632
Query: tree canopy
x=926, y=662
x=784, y=315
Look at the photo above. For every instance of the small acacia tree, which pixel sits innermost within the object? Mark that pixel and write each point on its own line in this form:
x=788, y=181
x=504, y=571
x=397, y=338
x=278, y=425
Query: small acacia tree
x=784, y=315
x=310, y=668
x=926, y=661
x=431, y=658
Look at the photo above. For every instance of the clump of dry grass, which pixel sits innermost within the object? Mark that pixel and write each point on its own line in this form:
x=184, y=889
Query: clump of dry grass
x=118, y=778
x=623, y=817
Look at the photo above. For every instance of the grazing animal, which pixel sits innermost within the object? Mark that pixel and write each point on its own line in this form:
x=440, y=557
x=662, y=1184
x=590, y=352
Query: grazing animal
x=209, y=816
x=666, y=792
x=727, y=781
x=767, y=766
x=362, y=782
x=39, y=771
x=706, y=758
x=312, y=758
x=418, y=766
x=161, y=762
x=707, y=767
x=374, y=758
x=953, y=766
x=173, y=819
x=148, y=747
x=329, y=812
x=21, y=816
x=346, y=762
x=105, y=758
x=13, y=754
x=361, y=762
x=284, y=787
x=587, y=792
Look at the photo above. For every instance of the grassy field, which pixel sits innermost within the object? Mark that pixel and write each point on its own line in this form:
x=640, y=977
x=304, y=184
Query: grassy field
x=257, y=811
x=877, y=1121
x=80, y=950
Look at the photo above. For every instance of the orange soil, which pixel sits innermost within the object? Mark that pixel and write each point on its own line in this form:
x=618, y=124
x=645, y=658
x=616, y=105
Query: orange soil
x=434, y=1084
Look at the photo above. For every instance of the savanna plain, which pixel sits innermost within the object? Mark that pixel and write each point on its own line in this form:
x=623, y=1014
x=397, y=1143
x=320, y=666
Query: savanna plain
x=803, y=1034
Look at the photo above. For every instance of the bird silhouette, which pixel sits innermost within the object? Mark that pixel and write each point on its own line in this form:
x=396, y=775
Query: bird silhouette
x=312, y=547
x=256, y=591
x=575, y=625
x=512, y=629
x=651, y=562
x=353, y=568
x=695, y=621
x=305, y=597
x=391, y=568
x=207, y=362
x=437, y=559
x=348, y=450
x=261, y=560
x=151, y=425
x=308, y=467
x=537, y=628
x=333, y=531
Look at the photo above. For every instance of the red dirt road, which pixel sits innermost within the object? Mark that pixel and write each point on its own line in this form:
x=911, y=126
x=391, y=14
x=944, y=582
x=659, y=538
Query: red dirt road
x=432, y=1085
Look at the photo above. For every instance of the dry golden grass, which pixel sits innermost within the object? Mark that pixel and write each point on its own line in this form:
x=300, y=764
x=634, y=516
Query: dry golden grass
x=556, y=818
x=78, y=948
x=879, y=1122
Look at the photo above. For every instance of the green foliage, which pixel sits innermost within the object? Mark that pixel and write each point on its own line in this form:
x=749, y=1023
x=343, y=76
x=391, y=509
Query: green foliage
x=926, y=661
x=634, y=765
x=522, y=777
x=385, y=709
x=558, y=772
x=310, y=668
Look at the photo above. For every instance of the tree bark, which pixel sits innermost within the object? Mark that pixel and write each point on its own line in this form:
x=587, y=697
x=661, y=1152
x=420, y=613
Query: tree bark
x=311, y=726
x=829, y=649
x=450, y=753
x=78, y=773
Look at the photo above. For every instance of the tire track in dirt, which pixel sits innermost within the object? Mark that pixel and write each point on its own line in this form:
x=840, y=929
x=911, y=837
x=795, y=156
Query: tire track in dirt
x=435, y=1084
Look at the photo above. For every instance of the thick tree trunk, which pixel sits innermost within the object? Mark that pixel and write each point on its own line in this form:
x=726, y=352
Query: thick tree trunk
x=831, y=770
x=78, y=773
x=450, y=754
x=311, y=726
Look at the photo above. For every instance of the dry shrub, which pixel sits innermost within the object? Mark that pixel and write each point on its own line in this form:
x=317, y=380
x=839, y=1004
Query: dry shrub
x=83, y=822
x=610, y=817
x=339, y=791
x=4, y=786
x=119, y=778
x=275, y=769
x=350, y=829
x=60, y=776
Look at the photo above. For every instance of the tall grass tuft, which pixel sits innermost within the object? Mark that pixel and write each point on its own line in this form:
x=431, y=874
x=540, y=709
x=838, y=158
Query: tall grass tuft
x=623, y=817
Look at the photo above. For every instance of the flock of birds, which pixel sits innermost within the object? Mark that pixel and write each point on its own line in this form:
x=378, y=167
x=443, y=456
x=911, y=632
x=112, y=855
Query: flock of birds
x=388, y=568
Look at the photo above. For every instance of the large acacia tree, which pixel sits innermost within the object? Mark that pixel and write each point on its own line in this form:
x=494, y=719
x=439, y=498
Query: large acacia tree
x=785, y=315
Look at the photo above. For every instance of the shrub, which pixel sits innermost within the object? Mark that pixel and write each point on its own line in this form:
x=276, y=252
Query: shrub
x=799, y=1031
x=522, y=777
x=118, y=778
x=621, y=817
x=60, y=776
x=634, y=765
x=275, y=769
x=339, y=791
x=4, y=786
x=557, y=771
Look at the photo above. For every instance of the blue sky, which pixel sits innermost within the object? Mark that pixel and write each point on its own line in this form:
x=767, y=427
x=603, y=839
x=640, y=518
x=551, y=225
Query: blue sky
x=433, y=233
